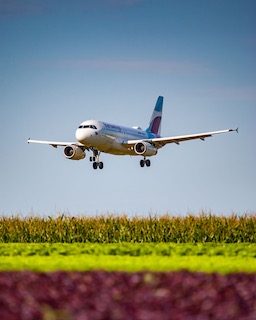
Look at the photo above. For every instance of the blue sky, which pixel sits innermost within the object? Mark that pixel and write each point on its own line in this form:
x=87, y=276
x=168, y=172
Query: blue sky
x=63, y=62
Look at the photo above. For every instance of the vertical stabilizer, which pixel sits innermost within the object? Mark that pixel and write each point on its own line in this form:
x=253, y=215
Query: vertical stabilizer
x=155, y=121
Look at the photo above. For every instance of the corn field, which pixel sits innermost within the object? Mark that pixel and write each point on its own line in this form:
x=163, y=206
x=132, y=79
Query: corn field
x=112, y=229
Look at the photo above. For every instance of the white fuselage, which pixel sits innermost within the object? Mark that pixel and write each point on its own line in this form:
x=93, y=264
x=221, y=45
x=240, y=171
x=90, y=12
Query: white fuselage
x=109, y=138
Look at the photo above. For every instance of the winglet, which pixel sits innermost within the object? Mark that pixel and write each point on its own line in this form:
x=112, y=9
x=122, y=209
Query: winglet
x=230, y=130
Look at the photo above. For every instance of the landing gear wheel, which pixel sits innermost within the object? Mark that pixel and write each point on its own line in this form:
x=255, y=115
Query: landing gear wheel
x=148, y=163
x=95, y=165
x=142, y=163
x=100, y=164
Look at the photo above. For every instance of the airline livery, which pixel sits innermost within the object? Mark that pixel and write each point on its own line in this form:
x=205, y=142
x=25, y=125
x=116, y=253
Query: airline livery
x=98, y=136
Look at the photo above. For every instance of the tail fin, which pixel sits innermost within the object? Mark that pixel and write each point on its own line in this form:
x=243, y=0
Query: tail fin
x=155, y=121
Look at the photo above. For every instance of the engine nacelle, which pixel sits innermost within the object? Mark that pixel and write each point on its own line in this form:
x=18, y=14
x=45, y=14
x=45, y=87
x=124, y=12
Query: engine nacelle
x=145, y=149
x=74, y=153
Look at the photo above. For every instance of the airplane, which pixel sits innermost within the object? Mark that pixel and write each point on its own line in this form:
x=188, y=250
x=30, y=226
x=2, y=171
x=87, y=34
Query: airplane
x=97, y=136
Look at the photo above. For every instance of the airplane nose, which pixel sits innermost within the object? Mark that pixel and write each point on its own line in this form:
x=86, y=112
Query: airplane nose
x=84, y=135
x=80, y=135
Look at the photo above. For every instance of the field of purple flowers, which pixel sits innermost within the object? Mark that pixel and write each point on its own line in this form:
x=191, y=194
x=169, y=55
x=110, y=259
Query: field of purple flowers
x=121, y=295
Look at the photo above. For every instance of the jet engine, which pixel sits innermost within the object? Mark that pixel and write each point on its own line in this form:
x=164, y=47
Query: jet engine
x=145, y=149
x=74, y=153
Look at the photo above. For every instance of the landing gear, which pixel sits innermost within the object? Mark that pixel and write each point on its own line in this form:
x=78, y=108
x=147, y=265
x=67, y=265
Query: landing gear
x=96, y=160
x=97, y=165
x=144, y=162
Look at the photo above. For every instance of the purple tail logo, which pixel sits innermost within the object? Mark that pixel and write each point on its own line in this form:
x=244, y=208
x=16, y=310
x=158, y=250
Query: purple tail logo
x=155, y=121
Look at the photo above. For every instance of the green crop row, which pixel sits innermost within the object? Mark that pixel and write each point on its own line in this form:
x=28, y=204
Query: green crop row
x=112, y=229
x=129, y=249
x=207, y=257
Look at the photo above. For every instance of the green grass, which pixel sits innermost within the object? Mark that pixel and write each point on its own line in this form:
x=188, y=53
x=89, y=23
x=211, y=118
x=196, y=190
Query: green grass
x=210, y=257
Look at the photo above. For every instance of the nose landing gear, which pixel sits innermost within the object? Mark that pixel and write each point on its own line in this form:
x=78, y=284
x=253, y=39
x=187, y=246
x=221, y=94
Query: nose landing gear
x=144, y=162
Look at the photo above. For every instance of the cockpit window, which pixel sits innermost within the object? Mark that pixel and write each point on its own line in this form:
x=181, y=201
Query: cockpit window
x=88, y=126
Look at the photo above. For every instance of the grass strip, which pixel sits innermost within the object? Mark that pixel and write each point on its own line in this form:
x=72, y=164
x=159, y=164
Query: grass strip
x=85, y=262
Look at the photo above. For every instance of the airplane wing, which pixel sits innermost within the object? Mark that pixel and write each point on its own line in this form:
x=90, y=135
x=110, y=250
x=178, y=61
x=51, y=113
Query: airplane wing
x=55, y=144
x=160, y=142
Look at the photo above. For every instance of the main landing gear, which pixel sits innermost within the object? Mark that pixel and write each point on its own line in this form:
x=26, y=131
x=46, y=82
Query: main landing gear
x=96, y=165
x=96, y=160
x=144, y=162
